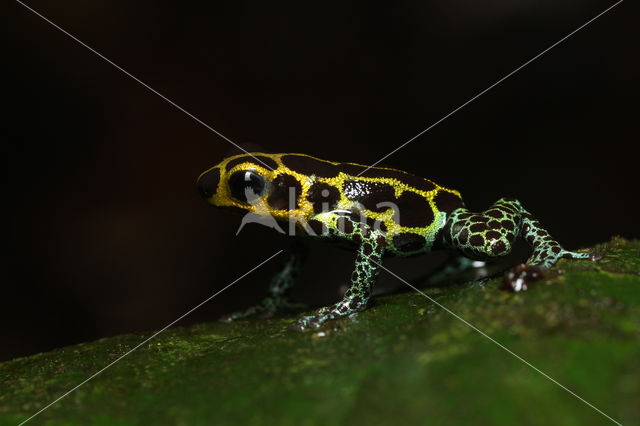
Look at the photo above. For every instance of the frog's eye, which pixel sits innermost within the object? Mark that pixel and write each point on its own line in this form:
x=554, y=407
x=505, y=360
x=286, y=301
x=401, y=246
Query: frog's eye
x=246, y=186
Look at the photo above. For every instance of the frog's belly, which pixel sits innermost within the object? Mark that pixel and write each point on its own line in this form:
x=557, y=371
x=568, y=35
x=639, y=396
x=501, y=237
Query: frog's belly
x=403, y=246
x=406, y=245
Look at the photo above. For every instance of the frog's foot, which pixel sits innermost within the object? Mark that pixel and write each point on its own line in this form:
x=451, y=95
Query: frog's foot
x=520, y=277
x=265, y=309
x=547, y=255
x=590, y=255
x=325, y=314
x=311, y=321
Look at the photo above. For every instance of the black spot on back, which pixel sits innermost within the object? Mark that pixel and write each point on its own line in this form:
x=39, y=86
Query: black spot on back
x=414, y=210
x=369, y=194
x=320, y=193
x=447, y=201
x=309, y=166
x=248, y=159
x=353, y=169
x=279, y=192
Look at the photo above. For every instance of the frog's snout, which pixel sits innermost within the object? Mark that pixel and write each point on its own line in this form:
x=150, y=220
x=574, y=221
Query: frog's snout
x=208, y=183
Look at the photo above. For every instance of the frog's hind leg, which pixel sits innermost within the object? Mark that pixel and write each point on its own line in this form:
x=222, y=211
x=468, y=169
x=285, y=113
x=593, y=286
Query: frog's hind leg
x=279, y=288
x=491, y=233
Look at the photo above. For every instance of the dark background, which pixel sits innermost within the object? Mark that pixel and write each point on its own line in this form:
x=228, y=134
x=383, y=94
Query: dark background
x=106, y=233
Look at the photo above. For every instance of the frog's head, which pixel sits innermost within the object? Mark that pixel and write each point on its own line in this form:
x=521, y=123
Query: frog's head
x=238, y=181
x=253, y=182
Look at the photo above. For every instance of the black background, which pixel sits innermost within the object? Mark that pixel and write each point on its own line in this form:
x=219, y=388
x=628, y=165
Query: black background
x=105, y=232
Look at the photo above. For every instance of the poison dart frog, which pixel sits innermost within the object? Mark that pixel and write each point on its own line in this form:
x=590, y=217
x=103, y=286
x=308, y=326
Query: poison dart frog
x=377, y=211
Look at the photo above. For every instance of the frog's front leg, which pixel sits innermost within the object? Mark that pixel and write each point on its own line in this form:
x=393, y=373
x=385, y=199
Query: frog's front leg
x=491, y=233
x=356, y=298
x=279, y=288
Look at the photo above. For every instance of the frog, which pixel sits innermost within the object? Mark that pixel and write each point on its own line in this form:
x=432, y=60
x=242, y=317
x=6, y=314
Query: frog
x=377, y=212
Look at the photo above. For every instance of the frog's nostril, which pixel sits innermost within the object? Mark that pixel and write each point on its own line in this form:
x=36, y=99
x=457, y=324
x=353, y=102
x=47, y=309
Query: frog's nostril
x=208, y=183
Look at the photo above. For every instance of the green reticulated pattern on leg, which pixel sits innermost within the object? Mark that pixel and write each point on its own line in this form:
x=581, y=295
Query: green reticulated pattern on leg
x=487, y=234
x=279, y=287
x=356, y=298
x=492, y=232
x=546, y=251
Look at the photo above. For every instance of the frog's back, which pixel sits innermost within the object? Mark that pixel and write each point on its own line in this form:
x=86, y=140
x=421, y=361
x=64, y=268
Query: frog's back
x=411, y=210
x=308, y=165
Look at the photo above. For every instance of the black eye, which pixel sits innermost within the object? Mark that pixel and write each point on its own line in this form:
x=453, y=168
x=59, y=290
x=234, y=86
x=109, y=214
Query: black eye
x=246, y=186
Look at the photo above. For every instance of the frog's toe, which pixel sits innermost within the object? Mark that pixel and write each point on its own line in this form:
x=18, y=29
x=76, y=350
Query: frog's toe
x=308, y=322
x=237, y=315
x=595, y=256
x=519, y=278
x=282, y=306
x=592, y=255
x=254, y=310
x=227, y=318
